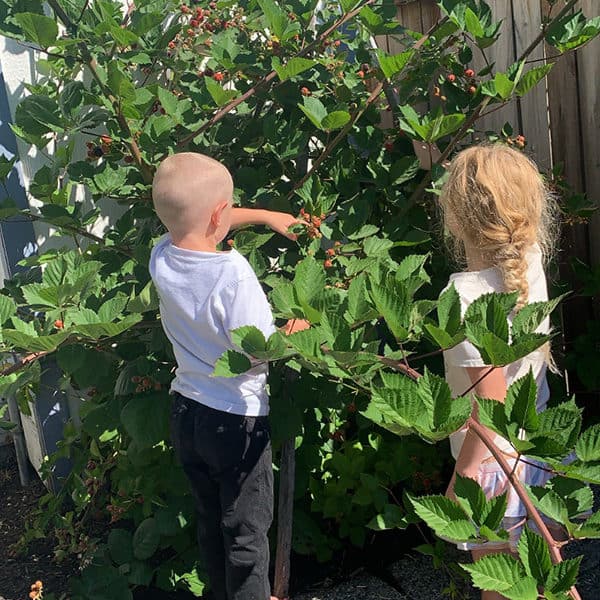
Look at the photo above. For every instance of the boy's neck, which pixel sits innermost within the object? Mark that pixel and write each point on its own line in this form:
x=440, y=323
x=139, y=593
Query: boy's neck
x=191, y=241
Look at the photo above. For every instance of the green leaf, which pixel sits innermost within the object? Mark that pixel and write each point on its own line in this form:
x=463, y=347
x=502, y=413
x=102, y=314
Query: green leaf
x=494, y=512
x=534, y=554
x=144, y=431
x=38, y=115
x=437, y=511
x=532, y=78
x=520, y=403
x=292, y=67
x=335, y=120
x=444, y=125
x=220, y=95
x=448, y=309
x=231, y=364
x=392, y=65
x=496, y=572
x=120, y=545
x=8, y=308
x=276, y=18
x=393, y=305
x=168, y=101
x=531, y=316
x=119, y=83
x=471, y=498
x=309, y=281
x=250, y=339
x=37, y=28
x=563, y=575
x=549, y=502
x=314, y=109
x=473, y=24
x=525, y=589
x=101, y=583
x=588, y=444
x=392, y=517
x=146, y=539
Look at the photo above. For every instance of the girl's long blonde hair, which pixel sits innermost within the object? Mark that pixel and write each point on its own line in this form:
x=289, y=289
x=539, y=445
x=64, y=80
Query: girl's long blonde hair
x=496, y=200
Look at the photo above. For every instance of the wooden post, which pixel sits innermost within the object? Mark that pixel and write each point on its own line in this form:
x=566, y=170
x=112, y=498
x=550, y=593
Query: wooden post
x=285, y=511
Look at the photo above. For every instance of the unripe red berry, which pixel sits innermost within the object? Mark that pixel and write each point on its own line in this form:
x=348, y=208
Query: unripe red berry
x=337, y=244
x=194, y=23
x=451, y=78
x=327, y=264
x=218, y=76
x=302, y=211
x=472, y=90
x=330, y=252
x=185, y=9
x=106, y=139
x=337, y=43
x=58, y=324
x=316, y=221
x=469, y=73
x=305, y=91
x=361, y=74
x=389, y=146
x=230, y=242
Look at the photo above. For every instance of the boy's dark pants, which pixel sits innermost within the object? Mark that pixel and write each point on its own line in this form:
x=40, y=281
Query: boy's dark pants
x=227, y=459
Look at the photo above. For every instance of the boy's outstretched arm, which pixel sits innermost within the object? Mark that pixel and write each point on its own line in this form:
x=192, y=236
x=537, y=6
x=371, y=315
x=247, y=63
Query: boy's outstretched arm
x=277, y=221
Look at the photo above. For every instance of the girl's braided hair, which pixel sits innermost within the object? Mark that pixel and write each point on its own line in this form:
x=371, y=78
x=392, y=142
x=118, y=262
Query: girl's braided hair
x=496, y=200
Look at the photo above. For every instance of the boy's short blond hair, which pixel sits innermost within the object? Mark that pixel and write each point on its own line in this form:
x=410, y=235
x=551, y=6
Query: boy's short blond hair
x=186, y=188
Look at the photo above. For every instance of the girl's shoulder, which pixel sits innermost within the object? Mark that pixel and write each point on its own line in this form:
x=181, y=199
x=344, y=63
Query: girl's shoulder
x=472, y=284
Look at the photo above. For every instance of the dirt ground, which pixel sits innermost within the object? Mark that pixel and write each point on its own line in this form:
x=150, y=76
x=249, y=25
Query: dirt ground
x=19, y=572
x=410, y=577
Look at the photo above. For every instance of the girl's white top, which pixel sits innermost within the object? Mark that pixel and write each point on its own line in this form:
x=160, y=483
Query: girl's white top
x=470, y=285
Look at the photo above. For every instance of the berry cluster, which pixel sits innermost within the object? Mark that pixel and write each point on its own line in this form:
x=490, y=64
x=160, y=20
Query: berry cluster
x=331, y=253
x=201, y=23
x=314, y=222
x=145, y=383
x=98, y=149
x=519, y=141
x=37, y=590
x=116, y=512
x=470, y=84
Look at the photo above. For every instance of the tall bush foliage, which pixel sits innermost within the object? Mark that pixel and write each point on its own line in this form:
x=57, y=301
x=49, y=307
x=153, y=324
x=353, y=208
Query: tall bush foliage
x=289, y=96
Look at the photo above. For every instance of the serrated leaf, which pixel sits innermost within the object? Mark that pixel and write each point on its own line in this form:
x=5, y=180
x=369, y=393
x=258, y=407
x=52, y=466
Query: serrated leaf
x=588, y=444
x=471, y=497
x=38, y=28
x=120, y=545
x=292, y=67
x=520, y=403
x=314, y=109
x=392, y=517
x=392, y=65
x=525, y=589
x=531, y=316
x=250, y=339
x=437, y=511
x=534, y=554
x=168, y=101
x=8, y=308
x=549, y=502
x=218, y=93
x=231, y=364
x=461, y=530
x=494, y=511
x=335, y=120
x=145, y=301
x=393, y=305
x=496, y=572
x=532, y=78
x=563, y=575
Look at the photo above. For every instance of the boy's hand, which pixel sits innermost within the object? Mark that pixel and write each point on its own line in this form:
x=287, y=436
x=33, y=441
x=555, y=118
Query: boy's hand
x=281, y=222
x=295, y=325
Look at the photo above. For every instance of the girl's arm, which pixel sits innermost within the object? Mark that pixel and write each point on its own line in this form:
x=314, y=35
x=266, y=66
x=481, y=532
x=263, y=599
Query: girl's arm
x=474, y=451
x=277, y=221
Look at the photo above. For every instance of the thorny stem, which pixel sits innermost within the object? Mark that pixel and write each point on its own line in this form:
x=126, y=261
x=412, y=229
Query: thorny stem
x=555, y=555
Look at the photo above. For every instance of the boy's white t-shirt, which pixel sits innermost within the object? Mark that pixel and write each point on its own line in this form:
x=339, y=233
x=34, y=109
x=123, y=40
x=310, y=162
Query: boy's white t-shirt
x=203, y=297
x=470, y=285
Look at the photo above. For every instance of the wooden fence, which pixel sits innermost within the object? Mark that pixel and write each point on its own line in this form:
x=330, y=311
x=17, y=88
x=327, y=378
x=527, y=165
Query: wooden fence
x=560, y=119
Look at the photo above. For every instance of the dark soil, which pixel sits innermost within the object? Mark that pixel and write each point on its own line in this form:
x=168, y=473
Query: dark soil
x=18, y=572
x=379, y=558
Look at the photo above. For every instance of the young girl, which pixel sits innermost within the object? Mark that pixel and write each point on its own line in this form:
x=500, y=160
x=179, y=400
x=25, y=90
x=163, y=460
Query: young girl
x=500, y=218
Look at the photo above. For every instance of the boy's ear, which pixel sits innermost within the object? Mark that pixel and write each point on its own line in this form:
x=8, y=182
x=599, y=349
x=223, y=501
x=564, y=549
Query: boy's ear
x=217, y=213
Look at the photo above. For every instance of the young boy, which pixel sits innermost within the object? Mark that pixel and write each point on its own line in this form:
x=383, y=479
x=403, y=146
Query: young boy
x=219, y=426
